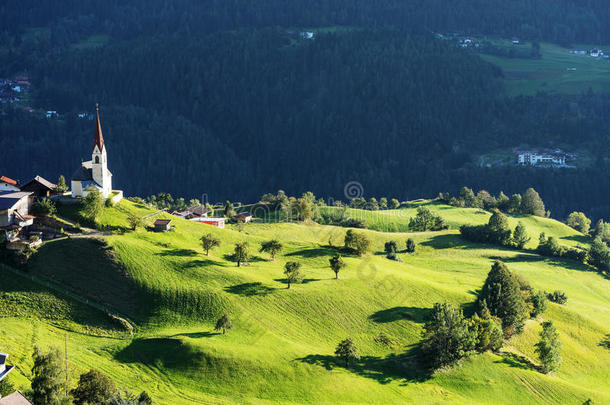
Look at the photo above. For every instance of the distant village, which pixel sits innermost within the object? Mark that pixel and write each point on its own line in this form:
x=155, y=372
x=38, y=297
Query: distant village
x=15, y=91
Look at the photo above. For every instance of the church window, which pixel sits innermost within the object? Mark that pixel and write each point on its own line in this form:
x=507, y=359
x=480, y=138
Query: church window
x=97, y=160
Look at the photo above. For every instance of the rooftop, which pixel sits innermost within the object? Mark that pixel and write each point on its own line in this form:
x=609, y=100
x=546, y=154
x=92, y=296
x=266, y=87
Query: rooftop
x=8, y=180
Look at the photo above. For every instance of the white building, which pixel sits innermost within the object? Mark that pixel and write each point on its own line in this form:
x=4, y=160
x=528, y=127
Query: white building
x=94, y=173
x=533, y=159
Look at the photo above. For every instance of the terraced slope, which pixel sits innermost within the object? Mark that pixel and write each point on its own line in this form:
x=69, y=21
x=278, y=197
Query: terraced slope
x=281, y=350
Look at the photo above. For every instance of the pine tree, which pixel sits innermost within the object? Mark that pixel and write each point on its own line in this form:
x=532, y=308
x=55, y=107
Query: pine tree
x=548, y=348
x=503, y=297
x=48, y=378
x=520, y=236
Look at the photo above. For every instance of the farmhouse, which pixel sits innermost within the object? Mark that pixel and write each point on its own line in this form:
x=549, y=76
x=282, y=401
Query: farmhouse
x=534, y=159
x=194, y=211
x=8, y=184
x=94, y=173
x=244, y=217
x=162, y=225
x=40, y=186
x=15, y=208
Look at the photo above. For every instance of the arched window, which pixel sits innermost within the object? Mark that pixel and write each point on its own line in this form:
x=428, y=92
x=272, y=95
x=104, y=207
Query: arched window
x=97, y=160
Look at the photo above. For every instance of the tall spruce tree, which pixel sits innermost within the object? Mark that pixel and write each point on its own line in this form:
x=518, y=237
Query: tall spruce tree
x=504, y=299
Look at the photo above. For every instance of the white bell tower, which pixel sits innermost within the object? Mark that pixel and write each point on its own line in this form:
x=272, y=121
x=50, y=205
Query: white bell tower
x=99, y=161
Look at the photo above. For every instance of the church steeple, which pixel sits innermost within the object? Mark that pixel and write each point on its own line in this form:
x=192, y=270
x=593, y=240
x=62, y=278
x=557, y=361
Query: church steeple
x=99, y=138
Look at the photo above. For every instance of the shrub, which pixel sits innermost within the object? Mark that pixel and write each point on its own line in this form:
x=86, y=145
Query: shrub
x=599, y=255
x=558, y=297
x=410, y=245
x=390, y=249
x=44, y=207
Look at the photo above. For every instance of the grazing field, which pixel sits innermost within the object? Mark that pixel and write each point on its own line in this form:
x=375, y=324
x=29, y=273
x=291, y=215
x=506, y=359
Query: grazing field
x=281, y=349
x=557, y=71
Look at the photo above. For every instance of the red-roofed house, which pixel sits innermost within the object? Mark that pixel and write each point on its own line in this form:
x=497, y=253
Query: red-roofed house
x=8, y=184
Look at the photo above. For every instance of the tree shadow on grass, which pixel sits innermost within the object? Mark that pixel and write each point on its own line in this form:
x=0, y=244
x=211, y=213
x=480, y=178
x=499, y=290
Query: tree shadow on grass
x=167, y=352
x=413, y=314
x=577, y=238
x=518, y=361
x=178, y=252
x=305, y=281
x=250, y=289
x=231, y=258
x=449, y=241
x=205, y=262
x=311, y=253
x=406, y=367
x=197, y=335
x=605, y=342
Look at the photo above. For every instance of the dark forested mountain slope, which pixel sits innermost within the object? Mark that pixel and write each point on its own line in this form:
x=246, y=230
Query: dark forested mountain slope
x=201, y=97
x=561, y=21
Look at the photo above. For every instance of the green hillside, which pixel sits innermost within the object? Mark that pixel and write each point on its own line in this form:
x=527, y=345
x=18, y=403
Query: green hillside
x=281, y=350
x=557, y=71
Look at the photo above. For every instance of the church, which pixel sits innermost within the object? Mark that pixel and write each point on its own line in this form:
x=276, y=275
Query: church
x=94, y=173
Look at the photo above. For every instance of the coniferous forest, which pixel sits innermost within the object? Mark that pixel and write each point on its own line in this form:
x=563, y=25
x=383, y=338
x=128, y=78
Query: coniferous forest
x=227, y=98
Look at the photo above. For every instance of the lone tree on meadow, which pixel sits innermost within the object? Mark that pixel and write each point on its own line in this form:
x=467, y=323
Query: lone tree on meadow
x=223, y=324
x=548, y=348
x=347, y=351
x=273, y=247
x=520, y=236
x=292, y=270
x=208, y=242
x=94, y=387
x=134, y=221
x=336, y=264
x=241, y=253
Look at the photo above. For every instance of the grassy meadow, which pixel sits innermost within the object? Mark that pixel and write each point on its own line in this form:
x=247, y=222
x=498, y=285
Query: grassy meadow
x=281, y=349
x=557, y=71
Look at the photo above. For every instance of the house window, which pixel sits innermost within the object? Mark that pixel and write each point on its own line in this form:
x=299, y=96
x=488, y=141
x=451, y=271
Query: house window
x=97, y=160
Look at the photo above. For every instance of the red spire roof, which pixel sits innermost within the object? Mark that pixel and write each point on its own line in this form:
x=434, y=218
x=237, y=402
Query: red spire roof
x=99, y=138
